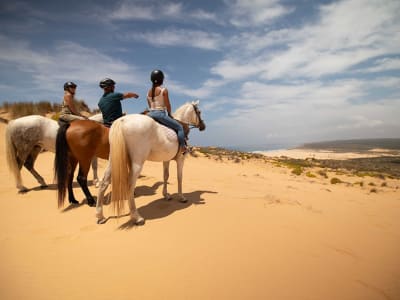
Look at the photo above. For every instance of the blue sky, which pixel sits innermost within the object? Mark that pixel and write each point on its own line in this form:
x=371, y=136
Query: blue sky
x=266, y=72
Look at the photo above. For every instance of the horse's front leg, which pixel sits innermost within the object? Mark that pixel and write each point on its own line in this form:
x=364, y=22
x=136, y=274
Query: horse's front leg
x=105, y=182
x=166, y=176
x=82, y=180
x=179, y=165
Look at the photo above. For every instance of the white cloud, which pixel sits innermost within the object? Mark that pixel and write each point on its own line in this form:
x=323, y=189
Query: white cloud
x=308, y=111
x=384, y=64
x=231, y=70
x=345, y=34
x=178, y=38
x=128, y=10
x=255, y=12
x=65, y=61
x=153, y=11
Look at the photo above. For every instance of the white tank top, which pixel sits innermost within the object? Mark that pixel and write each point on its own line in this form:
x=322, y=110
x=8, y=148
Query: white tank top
x=157, y=102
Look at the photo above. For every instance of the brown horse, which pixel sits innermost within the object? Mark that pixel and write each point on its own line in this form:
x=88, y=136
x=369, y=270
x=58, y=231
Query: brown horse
x=78, y=142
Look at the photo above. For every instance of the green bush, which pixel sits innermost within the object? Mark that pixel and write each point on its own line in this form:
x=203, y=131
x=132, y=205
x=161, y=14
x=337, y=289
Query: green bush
x=335, y=180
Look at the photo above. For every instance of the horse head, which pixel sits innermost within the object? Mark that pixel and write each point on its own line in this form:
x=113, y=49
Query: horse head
x=200, y=123
x=190, y=114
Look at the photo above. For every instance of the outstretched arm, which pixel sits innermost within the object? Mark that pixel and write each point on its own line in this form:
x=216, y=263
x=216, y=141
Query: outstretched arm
x=130, y=95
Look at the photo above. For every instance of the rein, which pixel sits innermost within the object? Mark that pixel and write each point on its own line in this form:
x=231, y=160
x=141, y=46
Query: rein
x=200, y=121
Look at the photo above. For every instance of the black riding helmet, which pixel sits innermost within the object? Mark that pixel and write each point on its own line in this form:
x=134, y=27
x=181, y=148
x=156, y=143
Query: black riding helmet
x=106, y=82
x=157, y=77
x=68, y=85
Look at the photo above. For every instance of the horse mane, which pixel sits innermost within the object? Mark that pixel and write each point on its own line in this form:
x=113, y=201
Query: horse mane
x=182, y=109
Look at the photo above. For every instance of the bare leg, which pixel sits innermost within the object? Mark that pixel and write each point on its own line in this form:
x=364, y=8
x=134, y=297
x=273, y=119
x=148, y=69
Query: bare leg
x=166, y=176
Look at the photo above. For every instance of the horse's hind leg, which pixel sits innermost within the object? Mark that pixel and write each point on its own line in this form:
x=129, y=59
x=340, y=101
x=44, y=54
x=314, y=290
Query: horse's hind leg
x=179, y=166
x=82, y=180
x=21, y=188
x=166, y=176
x=94, y=168
x=135, y=216
x=29, y=165
x=70, y=176
x=105, y=182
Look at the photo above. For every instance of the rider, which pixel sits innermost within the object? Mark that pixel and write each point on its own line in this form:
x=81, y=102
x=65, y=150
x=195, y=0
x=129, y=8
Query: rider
x=69, y=112
x=160, y=107
x=110, y=102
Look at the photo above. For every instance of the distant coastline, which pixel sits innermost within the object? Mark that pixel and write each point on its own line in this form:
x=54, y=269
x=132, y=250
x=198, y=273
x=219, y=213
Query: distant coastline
x=354, y=145
x=351, y=145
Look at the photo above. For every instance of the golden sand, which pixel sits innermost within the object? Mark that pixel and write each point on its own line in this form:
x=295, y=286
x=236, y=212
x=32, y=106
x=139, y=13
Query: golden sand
x=250, y=230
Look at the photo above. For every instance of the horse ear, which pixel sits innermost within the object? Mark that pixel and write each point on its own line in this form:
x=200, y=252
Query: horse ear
x=196, y=102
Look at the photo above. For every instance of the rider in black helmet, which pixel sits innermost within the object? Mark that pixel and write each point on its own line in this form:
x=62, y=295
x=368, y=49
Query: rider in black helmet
x=69, y=112
x=160, y=107
x=110, y=102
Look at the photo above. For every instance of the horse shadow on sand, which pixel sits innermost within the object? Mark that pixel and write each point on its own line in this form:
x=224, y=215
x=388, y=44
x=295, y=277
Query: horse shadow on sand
x=162, y=208
x=51, y=187
x=139, y=191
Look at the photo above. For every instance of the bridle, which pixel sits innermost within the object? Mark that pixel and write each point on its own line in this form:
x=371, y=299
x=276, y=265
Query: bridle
x=200, y=124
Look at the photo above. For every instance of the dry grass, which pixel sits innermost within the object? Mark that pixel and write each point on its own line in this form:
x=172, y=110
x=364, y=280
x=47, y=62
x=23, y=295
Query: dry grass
x=21, y=109
x=378, y=167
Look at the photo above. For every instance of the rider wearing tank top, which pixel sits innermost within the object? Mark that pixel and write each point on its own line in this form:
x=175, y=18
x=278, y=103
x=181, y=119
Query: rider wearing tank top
x=160, y=107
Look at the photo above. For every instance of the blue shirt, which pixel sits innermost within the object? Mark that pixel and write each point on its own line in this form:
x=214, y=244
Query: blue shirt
x=110, y=106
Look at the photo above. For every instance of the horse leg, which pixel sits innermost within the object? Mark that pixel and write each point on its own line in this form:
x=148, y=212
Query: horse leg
x=29, y=165
x=105, y=182
x=135, y=216
x=21, y=188
x=94, y=168
x=70, y=176
x=82, y=180
x=179, y=166
x=166, y=176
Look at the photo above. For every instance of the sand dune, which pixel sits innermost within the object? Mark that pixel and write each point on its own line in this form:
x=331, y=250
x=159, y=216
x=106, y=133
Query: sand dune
x=250, y=230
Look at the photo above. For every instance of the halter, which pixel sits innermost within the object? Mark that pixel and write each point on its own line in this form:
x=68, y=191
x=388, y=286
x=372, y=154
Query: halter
x=197, y=112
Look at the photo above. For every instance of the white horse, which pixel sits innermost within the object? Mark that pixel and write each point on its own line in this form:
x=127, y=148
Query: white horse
x=133, y=140
x=26, y=137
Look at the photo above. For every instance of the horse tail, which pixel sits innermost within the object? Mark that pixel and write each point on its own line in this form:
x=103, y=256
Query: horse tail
x=120, y=168
x=11, y=154
x=61, y=163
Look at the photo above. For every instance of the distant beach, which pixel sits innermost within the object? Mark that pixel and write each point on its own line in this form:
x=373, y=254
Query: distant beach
x=343, y=149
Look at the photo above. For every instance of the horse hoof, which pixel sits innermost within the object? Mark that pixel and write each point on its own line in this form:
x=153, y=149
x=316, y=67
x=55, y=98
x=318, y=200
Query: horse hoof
x=183, y=200
x=101, y=221
x=23, y=191
x=140, y=222
x=167, y=197
x=73, y=202
x=92, y=203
